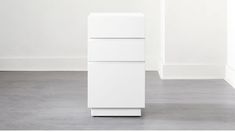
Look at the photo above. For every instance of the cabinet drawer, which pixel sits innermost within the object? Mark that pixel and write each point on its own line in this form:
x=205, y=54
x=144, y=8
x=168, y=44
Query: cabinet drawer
x=116, y=50
x=116, y=84
x=116, y=25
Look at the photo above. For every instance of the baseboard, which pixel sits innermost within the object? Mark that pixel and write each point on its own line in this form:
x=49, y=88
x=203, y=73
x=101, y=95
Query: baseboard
x=151, y=67
x=43, y=64
x=192, y=71
x=49, y=64
x=230, y=75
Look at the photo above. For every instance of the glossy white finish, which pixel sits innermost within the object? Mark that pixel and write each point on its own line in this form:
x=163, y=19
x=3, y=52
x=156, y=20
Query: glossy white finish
x=116, y=25
x=116, y=50
x=116, y=64
x=116, y=84
x=115, y=112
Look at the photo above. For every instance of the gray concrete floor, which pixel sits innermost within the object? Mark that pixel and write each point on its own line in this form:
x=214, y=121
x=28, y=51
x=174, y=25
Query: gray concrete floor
x=58, y=101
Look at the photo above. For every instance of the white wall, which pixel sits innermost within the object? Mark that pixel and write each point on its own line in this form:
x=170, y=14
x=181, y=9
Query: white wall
x=195, y=39
x=230, y=67
x=52, y=34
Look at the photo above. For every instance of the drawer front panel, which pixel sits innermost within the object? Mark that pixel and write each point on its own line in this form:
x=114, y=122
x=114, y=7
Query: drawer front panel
x=116, y=85
x=116, y=50
x=115, y=26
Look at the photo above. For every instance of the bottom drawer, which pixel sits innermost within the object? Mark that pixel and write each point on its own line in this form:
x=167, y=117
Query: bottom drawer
x=116, y=84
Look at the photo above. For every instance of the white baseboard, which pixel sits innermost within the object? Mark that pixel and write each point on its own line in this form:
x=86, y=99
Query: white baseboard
x=49, y=64
x=230, y=75
x=43, y=64
x=151, y=67
x=192, y=71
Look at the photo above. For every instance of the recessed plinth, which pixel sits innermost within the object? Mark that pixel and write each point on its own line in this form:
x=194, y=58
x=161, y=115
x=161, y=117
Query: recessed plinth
x=115, y=112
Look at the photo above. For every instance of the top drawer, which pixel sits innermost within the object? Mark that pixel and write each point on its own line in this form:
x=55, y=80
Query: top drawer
x=116, y=25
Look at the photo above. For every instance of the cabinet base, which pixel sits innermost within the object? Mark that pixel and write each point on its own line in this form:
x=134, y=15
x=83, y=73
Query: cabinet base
x=115, y=112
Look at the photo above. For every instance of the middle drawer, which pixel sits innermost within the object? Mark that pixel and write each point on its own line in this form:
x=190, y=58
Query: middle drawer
x=116, y=50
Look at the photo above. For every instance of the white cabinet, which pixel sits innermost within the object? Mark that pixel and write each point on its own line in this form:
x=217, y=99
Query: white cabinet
x=116, y=64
